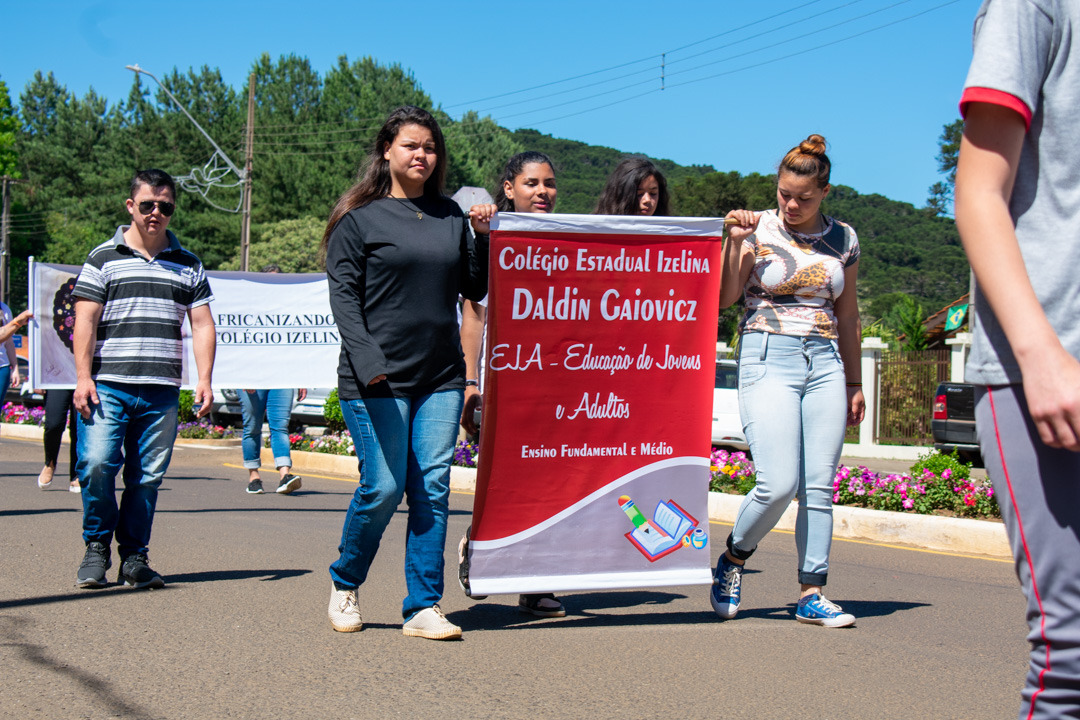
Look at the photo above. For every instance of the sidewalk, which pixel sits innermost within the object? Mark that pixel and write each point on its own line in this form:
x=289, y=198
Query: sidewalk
x=931, y=532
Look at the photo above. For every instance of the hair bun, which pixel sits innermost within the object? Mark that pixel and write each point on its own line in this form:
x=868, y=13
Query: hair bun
x=813, y=145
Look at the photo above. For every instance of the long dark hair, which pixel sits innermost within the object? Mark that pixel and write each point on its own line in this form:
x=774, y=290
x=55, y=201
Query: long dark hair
x=620, y=193
x=374, y=181
x=514, y=167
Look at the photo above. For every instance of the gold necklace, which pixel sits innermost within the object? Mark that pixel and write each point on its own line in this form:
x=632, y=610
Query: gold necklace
x=419, y=215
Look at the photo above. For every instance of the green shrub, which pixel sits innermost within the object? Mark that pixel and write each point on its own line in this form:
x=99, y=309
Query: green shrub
x=938, y=462
x=335, y=422
x=187, y=399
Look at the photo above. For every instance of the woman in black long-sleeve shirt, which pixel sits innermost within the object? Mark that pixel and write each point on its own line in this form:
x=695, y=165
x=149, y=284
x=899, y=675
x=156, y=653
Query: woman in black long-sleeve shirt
x=398, y=254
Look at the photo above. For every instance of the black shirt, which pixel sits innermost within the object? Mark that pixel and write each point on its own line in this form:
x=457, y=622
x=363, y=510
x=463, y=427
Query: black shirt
x=394, y=282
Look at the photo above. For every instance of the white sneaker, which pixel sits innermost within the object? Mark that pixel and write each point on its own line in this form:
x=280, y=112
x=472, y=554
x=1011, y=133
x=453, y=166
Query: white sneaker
x=430, y=623
x=344, y=610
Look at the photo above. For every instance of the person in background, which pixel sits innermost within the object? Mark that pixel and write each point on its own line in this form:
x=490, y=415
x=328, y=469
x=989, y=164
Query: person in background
x=60, y=413
x=1017, y=210
x=398, y=255
x=636, y=187
x=799, y=372
x=276, y=405
x=9, y=365
x=527, y=186
x=130, y=301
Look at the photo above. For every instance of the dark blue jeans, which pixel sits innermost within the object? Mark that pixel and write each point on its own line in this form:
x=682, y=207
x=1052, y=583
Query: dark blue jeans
x=133, y=427
x=404, y=447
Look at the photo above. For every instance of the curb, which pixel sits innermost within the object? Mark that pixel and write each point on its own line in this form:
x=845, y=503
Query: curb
x=930, y=532
x=10, y=431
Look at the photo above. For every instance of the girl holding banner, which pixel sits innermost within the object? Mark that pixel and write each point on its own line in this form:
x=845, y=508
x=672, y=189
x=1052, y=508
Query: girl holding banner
x=799, y=372
x=636, y=187
x=527, y=186
x=398, y=254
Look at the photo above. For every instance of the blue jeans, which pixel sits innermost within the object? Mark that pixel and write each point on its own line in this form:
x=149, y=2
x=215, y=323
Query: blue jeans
x=134, y=427
x=277, y=406
x=793, y=401
x=404, y=447
x=5, y=380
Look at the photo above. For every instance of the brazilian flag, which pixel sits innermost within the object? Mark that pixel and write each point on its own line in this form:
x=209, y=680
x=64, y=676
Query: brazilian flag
x=956, y=317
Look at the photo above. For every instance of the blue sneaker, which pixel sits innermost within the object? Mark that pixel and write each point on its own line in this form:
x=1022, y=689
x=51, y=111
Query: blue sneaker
x=816, y=610
x=727, y=588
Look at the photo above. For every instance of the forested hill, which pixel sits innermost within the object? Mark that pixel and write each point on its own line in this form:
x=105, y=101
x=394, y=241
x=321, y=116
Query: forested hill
x=76, y=156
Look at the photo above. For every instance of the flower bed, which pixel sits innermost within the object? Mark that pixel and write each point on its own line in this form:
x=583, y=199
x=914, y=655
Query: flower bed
x=18, y=415
x=203, y=430
x=936, y=485
x=341, y=444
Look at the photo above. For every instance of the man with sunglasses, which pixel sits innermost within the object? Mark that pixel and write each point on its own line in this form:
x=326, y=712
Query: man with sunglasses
x=130, y=302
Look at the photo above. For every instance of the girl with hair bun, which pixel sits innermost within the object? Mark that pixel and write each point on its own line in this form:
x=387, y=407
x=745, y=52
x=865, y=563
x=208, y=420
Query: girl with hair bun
x=799, y=372
x=636, y=187
x=527, y=185
x=398, y=255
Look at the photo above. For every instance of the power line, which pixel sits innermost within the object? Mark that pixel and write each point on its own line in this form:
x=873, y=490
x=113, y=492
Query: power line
x=764, y=33
x=756, y=65
x=708, y=64
x=818, y=47
x=654, y=56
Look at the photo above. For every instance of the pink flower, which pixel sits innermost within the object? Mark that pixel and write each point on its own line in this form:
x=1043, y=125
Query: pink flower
x=946, y=474
x=908, y=504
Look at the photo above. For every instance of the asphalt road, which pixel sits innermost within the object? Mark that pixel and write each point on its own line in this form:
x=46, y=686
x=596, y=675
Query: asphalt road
x=240, y=631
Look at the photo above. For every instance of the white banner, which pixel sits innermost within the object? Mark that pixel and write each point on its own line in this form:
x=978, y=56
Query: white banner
x=273, y=330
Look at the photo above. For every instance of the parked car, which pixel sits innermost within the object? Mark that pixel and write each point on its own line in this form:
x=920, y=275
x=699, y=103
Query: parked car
x=953, y=422
x=727, y=427
x=309, y=411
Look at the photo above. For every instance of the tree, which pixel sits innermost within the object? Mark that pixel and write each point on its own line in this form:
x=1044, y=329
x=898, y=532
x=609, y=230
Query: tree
x=9, y=125
x=939, y=200
x=291, y=244
x=478, y=150
x=949, y=149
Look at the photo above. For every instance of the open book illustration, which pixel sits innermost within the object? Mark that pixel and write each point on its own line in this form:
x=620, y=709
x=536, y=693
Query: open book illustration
x=668, y=530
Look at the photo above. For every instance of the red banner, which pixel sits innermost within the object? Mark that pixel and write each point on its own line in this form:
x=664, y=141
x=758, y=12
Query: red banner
x=595, y=439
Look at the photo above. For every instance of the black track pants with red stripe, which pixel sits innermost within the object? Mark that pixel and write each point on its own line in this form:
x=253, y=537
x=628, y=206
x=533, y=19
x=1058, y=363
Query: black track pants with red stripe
x=1038, y=489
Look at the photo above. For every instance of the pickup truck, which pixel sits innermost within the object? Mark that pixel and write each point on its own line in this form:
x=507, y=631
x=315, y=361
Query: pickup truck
x=953, y=423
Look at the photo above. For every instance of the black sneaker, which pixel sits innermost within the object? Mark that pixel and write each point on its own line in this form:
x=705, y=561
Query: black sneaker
x=94, y=564
x=288, y=484
x=135, y=572
x=255, y=487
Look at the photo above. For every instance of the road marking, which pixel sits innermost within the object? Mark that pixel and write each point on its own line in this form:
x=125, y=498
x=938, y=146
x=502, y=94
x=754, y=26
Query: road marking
x=711, y=522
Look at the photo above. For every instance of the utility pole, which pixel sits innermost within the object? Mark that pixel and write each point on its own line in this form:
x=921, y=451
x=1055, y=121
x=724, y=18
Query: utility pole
x=249, y=145
x=5, y=240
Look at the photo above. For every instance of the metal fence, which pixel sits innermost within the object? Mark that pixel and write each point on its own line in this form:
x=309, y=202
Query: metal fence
x=906, y=381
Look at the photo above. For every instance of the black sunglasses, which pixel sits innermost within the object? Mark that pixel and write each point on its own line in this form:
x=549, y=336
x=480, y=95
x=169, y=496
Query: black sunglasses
x=147, y=206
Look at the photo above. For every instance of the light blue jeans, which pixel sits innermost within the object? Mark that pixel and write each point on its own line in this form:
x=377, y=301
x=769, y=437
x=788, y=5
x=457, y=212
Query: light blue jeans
x=277, y=406
x=793, y=401
x=404, y=447
x=134, y=427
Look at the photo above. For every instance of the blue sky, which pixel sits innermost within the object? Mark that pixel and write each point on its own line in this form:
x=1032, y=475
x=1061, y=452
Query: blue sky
x=744, y=81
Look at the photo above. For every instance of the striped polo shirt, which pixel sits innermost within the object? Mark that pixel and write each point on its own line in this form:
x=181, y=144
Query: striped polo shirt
x=138, y=335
